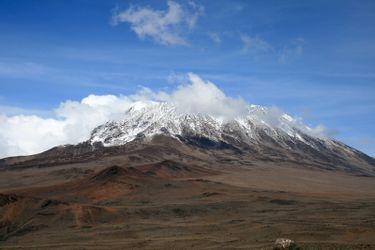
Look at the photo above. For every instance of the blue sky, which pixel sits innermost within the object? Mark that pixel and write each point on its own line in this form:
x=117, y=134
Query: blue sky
x=313, y=59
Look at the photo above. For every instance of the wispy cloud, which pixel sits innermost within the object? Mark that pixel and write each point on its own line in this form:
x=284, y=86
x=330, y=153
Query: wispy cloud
x=167, y=27
x=215, y=37
x=291, y=51
x=255, y=44
x=42, y=73
x=22, y=70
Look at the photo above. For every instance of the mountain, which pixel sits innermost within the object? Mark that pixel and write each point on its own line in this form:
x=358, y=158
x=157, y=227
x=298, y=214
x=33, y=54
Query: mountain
x=161, y=178
x=150, y=118
x=261, y=134
x=266, y=132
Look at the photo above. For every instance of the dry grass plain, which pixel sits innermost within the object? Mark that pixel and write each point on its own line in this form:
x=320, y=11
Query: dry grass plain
x=170, y=205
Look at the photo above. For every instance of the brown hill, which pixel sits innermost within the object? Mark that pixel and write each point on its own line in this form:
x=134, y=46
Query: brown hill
x=169, y=194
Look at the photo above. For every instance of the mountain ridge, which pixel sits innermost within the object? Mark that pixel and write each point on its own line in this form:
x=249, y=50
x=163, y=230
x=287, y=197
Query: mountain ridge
x=188, y=184
x=151, y=118
x=261, y=135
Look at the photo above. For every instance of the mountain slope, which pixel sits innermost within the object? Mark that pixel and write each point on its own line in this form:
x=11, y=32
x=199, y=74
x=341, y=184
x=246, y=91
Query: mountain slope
x=262, y=131
x=160, y=179
x=151, y=131
x=150, y=118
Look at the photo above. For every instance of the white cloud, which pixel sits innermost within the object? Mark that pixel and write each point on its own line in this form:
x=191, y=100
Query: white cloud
x=74, y=120
x=163, y=26
x=278, y=118
x=200, y=96
x=28, y=134
x=255, y=44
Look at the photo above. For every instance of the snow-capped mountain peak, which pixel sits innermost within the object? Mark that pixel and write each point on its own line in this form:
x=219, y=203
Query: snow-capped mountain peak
x=151, y=118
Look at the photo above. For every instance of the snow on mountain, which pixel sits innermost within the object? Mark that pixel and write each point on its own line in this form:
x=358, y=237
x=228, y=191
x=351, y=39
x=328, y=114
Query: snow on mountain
x=260, y=132
x=148, y=118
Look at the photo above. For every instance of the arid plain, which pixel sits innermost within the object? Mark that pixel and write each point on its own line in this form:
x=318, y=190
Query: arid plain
x=170, y=195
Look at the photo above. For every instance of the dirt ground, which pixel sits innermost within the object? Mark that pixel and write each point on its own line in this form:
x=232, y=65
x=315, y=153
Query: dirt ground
x=170, y=205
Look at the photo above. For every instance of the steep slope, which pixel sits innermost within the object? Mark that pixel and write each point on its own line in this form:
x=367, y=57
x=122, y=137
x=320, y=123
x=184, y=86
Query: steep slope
x=263, y=131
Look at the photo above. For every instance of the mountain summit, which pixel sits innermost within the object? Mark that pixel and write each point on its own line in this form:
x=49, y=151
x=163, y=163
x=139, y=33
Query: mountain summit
x=151, y=118
x=259, y=134
x=159, y=163
x=263, y=132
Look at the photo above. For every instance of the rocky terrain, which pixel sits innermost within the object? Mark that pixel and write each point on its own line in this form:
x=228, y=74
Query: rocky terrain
x=162, y=179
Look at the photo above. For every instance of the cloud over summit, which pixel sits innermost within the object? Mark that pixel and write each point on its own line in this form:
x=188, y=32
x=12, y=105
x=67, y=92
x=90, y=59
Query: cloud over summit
x=196, y=95
x=74, y=120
